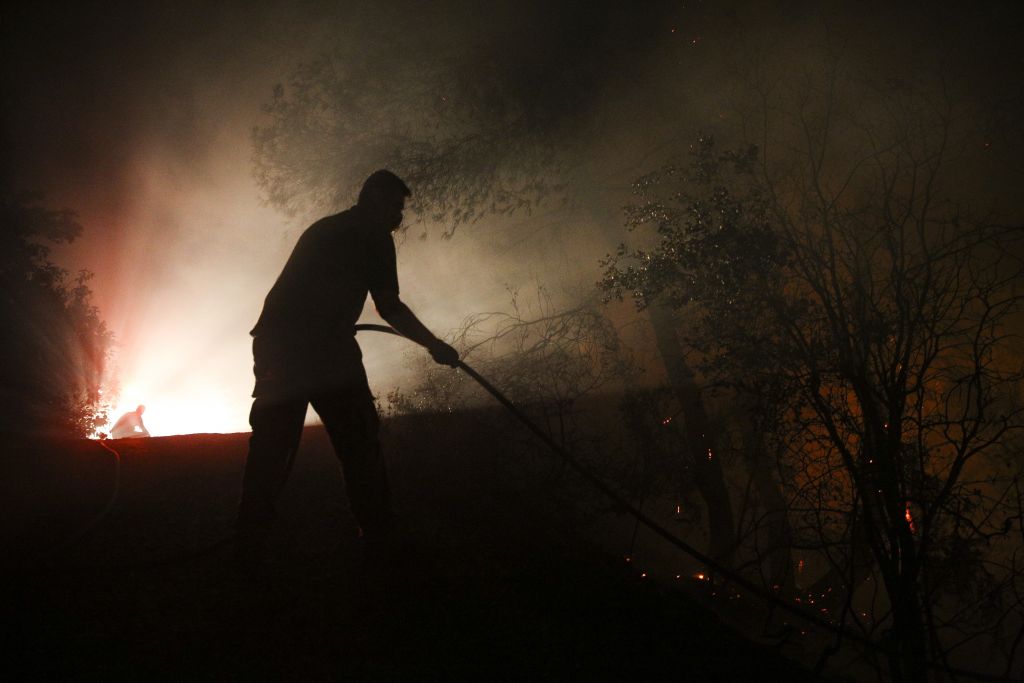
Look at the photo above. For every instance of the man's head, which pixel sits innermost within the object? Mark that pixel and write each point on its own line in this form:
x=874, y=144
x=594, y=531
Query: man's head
x=383, y=196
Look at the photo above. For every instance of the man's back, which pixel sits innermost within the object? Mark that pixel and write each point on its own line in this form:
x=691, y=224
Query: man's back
x=305, y=336
x=323, y=286
x=129, y=425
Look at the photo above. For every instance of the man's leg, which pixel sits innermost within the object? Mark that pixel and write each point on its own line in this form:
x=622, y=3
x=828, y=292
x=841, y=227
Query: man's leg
x=276, y=431
x=351, y=422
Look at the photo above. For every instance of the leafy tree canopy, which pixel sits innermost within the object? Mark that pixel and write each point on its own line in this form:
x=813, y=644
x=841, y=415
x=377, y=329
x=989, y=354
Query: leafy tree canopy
x=477, y=126
x=54, y=343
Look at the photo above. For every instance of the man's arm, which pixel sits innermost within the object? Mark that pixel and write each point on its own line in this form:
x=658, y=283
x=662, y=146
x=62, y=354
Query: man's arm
x=398, y=315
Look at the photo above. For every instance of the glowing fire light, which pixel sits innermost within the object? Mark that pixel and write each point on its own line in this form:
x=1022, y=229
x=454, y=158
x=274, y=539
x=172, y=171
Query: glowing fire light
x=178, y=408
x=191, y=380
x=910, y=519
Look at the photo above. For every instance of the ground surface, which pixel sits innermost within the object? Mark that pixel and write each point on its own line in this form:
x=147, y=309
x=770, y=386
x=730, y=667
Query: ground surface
x=491, y=583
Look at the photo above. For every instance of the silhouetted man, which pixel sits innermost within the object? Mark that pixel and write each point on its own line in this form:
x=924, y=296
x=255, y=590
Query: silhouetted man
x=305, y=352
x=129, y=425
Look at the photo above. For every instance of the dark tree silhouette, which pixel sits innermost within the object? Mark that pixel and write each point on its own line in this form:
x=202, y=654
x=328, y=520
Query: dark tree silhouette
x=478, y=127
x=54, y=344
x=885, y=310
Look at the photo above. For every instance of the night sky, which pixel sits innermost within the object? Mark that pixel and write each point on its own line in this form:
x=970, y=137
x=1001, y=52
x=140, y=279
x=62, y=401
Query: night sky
x=139, y=117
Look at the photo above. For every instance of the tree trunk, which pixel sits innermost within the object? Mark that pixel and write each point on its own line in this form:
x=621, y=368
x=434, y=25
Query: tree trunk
x=707, y=468
x=909, y=653
x=776, y=521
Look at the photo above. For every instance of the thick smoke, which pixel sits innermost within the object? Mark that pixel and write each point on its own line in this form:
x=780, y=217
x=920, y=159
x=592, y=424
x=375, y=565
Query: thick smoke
x=140, y=118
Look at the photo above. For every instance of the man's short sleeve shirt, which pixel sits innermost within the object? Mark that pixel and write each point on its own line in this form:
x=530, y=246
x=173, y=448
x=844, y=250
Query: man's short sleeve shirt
x=321, y=291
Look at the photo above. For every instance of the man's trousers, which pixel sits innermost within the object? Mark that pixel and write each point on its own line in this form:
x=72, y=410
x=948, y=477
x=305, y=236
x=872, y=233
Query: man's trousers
x=351, y=422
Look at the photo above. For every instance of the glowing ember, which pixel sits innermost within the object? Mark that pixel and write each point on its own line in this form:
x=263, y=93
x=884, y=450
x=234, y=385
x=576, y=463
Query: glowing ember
x=910, y=519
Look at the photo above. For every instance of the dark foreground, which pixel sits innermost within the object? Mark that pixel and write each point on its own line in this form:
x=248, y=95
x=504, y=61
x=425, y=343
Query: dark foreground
x=493, y=581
